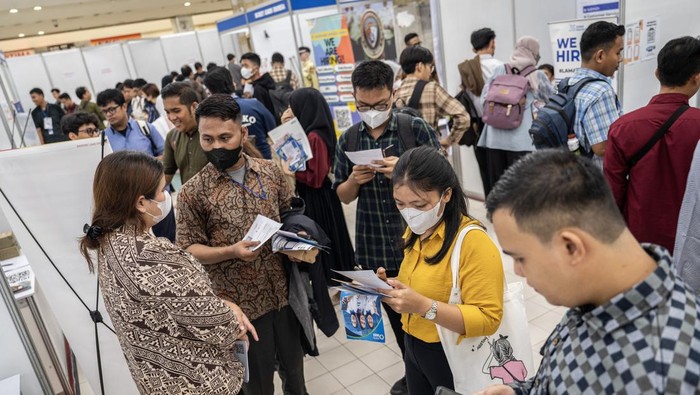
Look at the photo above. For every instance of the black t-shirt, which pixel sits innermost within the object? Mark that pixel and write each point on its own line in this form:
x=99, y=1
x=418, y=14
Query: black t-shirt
x=56, y=114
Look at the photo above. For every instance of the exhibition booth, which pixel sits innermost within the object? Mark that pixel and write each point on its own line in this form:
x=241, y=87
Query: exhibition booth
x=39, y=185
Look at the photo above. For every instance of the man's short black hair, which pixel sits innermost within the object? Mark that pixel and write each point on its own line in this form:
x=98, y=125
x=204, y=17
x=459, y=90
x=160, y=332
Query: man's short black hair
x=80, y=92
x=181, y=90
x=253, y=57
x=197, y=65
x=210, y=65
x=409, y=37
x=277, y=58
x=219, y=80
x=219, y=106
x=119, y=85
x=139, y=83
x=548, y=190
x=64, y=96
x=411, y=56
x=548, y=67
x=678, y=61
x=128, y=83
x=72, y=122
x=230, y=57
x=110, y=95
x=186, y=70
x=599, y=35
x=372, y=74
x=38, y=91
x=304, y=49
x=482, y=38
x=55, y=90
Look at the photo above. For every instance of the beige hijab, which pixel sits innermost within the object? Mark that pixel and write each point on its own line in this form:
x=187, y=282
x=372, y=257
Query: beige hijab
x=526, y=53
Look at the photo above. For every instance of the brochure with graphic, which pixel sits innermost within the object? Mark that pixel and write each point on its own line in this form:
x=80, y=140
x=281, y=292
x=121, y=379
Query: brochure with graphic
x=291, y=144
x=362, y=316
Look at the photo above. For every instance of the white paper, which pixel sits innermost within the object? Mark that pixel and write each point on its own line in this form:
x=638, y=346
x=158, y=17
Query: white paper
x=291, y=128
x=368, y=278
x=262, y=230
x=366, y=157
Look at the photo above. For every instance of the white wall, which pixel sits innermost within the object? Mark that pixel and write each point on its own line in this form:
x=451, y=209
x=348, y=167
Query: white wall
x=106, y=65
x=181, y=49
x=29, y=72
x=67, y=70
x=210, y=47
x=280, y=39
x=676, y=18
x=532, y=17
x=148, y=60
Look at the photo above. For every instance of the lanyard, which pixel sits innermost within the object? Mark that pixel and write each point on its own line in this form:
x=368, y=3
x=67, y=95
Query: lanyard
x=262, y=195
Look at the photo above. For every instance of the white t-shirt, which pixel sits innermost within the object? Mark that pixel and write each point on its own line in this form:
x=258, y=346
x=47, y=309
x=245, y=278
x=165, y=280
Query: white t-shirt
x=489, y=64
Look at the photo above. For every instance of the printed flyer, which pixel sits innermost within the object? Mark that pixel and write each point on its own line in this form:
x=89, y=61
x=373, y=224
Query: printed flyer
x=362, y=316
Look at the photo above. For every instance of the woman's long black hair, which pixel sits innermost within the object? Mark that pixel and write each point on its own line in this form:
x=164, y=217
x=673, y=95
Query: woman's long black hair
x=425, y=169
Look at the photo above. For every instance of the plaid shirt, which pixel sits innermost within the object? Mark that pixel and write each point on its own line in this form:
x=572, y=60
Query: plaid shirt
x=614, y=348
x=279, y=74
x=435, y=103
x=379, y=226
x=597, y=107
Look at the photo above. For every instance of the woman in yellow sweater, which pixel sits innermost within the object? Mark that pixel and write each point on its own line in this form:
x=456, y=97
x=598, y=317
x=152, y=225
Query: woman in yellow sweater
x=430, y=198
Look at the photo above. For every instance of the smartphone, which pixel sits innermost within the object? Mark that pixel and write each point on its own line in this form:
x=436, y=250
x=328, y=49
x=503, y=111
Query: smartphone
x=240, y=348
x=390, y=151
x=443, y=128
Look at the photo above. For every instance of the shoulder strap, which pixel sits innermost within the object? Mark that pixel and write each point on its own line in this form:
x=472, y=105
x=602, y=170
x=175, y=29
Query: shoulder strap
x=289, y=76
x=579, y=85
x=457, y=251
x=405, y=128
x=417, y=93
x=146, y=131
x=657, y=136
x=353, y=137
x=527, y=70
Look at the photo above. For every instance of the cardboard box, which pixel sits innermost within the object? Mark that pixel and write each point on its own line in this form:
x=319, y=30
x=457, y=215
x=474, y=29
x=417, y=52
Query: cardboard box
x=304, y=256
x=7, y=239
x=9, y=252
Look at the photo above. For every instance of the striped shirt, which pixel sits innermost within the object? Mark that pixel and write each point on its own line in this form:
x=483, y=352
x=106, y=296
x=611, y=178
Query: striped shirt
x=597, y=107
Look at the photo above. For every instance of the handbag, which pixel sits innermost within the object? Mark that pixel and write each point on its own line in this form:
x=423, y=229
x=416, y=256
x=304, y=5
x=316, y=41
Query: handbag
x=502, y=358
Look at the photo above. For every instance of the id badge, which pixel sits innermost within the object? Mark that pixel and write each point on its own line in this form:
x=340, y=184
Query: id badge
x=48, y=125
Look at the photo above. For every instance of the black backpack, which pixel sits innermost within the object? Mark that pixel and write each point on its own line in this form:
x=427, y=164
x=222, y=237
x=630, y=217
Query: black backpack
x=476, y=124
x=407, y=138
x=555, y=121
x=412, y=107
x=280, y=96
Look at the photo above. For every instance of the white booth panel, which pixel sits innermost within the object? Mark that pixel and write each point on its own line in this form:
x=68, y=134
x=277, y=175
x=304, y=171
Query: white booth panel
x=676, y=18
x=67, y=70
x=29, y=72
x=149, y=62
x=304, y=24
x=106, y=66
x=181, y=49
x=273, y=36
x=129, y=60
x=227, y=44
x=532, y=18
x=210, y=45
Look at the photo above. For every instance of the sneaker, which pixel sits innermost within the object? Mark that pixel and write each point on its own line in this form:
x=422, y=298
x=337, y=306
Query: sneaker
x=400, y=387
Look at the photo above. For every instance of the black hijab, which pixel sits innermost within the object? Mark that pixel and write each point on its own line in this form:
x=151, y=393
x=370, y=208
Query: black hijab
x=313, y=113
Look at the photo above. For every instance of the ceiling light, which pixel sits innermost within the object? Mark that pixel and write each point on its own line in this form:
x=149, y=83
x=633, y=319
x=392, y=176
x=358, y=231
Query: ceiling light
x=41, y=32
x=37, y=8
x=187, y=4
x=21, y=35
x=13, y=11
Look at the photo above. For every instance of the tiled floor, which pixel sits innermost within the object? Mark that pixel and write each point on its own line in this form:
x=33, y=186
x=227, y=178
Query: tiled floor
x=364, y=368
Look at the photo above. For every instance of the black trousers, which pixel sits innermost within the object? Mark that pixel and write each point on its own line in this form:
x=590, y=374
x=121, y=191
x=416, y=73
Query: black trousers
x=497, y=162
x=426, y=367
x=480, y=154
x=279, y=333
x=395, y=319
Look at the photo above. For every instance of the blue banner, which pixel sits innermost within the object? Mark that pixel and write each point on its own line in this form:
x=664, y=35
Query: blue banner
x=230, y=23
x=268, y=11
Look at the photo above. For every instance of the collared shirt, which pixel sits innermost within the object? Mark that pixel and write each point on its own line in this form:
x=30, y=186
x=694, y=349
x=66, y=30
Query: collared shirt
x=686, y=253
x=310, y=77
x=597, y=107
x=435, y=103
x=93, y=108
x=480, y=279
x=183, y=152
x=163, y=310
x=614, y=348
x=215, y=211
x=650, y=194
x=378, y=224
x=134, y=139
x=279, y=74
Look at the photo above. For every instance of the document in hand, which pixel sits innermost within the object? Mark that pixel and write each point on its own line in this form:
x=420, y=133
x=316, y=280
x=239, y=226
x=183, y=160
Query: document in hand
x=295, y=246
x=291, y=144
x=365, y=158
x=262, y=230
x=362, y=317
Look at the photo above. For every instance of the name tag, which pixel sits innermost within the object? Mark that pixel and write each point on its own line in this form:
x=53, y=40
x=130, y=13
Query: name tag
x=48, y=125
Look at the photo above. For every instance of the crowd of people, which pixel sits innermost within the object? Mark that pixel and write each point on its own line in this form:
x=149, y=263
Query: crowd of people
x=572, y=218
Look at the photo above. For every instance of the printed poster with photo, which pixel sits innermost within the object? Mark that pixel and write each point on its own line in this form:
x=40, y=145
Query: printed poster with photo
x=371, y=28
x=362, y=316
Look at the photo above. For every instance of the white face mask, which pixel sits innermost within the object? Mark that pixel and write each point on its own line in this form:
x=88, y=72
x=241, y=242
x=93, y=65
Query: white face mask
x=246, y=73
x=420, y=221
x=374, y=118
x=165, y=206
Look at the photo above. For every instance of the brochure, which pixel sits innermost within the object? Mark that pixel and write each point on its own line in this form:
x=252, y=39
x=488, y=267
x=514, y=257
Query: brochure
x=291, y=144
x=262, y=230
x=362, y=316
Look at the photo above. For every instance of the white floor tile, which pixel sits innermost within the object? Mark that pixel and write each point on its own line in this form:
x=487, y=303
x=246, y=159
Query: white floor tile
x=326, y=344
x=537, y=334
x=313, y=368
x=548, y=321
x=326, y=384
x=381, y=359
x=352, y=373
x=393, y=373
x=361, y=348
x=372, y=385
x=336, y=358
x=534, y=310
x=278, y=384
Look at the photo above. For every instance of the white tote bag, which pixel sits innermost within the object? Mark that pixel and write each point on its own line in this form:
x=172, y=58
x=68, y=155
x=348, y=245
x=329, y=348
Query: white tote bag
x=502, y=358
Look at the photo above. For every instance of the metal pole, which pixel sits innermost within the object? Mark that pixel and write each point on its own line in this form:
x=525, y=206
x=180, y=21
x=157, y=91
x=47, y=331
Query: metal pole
x=165, y=57
x=199, y=46
x=621, y=71
x=296, y=42
x=9, y=299
x=133, y=63
x=11, y=105
x=34, y=309
x=87, y=71
x=48, y=75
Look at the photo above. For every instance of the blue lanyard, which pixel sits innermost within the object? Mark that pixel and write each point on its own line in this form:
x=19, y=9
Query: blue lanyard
x=262, y=195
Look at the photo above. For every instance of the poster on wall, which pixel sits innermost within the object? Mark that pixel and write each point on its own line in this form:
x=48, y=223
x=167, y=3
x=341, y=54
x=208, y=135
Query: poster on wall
x=641, y=40
x=565, y=39
x=597, y=8
x=371, y=28
x=335, y=61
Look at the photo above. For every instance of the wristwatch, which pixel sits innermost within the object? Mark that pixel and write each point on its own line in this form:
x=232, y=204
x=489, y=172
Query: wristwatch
x=432, y=312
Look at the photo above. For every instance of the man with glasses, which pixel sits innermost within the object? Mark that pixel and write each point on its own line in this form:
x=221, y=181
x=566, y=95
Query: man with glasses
x=379, y=227
x=433, y=102
x=80, y=125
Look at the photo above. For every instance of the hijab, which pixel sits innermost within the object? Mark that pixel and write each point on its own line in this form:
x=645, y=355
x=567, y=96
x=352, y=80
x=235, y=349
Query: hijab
x=314, y=115
x=526, y=53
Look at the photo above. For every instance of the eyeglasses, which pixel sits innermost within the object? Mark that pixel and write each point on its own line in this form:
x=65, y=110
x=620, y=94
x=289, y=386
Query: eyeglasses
x=377, y=107
x=110, y=110
x=90, y=131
